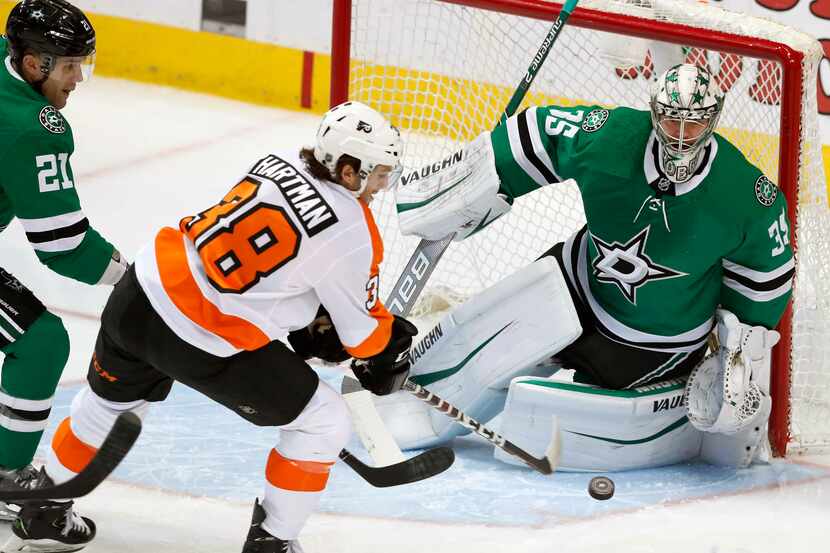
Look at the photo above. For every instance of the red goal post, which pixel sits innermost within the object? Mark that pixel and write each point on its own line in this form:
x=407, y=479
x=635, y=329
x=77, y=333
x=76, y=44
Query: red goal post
x=376, y=59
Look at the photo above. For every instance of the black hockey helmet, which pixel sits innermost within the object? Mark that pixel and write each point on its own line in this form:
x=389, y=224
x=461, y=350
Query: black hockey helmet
x=51, y=27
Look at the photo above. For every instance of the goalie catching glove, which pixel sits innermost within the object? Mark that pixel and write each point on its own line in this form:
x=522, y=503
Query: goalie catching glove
x=729, y=389
x=458, y=195
x=386, y=372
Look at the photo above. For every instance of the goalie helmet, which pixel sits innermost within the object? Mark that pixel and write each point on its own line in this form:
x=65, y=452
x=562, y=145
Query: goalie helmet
x=359, y=131
x=686, y=103
x=52, y=28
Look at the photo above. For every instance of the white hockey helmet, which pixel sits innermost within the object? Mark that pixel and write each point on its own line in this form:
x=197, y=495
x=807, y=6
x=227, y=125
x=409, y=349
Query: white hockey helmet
x=686, y=103
x=357, y=130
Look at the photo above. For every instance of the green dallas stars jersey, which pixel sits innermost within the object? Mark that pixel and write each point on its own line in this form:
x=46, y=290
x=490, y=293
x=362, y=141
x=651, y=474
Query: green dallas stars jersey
x=37, y=183
x=656, y=259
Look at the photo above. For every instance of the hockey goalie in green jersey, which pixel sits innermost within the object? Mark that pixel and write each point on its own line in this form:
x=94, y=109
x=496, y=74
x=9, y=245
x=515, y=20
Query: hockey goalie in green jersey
x=684, y=237
x=48, y=50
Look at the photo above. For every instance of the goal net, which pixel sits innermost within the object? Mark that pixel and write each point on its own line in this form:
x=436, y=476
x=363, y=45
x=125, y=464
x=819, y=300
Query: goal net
x=444, y=70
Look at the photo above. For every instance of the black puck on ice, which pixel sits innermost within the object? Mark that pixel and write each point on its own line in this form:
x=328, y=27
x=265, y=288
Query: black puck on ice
x=601, y=488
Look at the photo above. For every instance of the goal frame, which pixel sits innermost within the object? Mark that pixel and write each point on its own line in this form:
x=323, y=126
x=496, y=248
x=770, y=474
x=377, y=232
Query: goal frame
x=791, y=63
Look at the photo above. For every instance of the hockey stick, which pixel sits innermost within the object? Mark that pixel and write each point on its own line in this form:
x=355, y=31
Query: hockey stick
x=422, y=263
x=545, y=465
x=427, y=464
x=117, y=444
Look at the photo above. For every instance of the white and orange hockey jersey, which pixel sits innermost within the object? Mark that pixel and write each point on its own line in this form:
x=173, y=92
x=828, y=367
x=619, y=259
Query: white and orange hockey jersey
x=259, y=263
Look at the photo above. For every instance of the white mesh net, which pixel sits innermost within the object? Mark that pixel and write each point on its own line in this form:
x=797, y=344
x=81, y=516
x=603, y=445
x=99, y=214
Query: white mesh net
x=444, y=73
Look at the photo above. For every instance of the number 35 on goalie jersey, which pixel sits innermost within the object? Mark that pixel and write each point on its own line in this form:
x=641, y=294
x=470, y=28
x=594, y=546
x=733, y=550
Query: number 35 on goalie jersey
x=259, y=263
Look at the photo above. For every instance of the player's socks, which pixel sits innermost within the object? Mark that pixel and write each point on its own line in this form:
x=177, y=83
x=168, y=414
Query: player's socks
x=49, y=526
x=260, y=541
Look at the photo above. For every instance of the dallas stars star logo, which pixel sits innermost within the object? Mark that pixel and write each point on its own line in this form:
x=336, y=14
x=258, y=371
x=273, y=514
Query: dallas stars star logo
x=627, y=265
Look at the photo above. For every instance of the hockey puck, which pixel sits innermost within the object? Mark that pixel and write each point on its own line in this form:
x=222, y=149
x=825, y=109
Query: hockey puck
x=601, y=488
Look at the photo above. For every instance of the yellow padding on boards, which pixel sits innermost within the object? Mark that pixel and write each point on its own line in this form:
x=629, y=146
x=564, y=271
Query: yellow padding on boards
x=206, y=62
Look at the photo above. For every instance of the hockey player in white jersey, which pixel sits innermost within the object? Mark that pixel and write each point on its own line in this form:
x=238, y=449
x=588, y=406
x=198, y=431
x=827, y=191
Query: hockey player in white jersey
x=291, y=252
x=683, y=236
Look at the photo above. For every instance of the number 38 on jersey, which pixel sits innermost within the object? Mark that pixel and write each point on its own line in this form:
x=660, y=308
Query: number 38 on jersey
x=241, y=241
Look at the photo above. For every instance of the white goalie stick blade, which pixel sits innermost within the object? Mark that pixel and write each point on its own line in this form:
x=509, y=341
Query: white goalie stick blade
x=392, y=468
x=117, y=444
x=368, y=425
x=425, y=465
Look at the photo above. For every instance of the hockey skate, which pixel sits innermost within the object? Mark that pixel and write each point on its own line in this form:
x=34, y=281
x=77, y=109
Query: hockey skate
x=260, y=541
x=48, y=526
x=15, y=479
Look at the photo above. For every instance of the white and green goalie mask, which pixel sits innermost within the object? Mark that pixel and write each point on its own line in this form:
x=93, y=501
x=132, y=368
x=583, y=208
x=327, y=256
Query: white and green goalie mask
x=686, y=103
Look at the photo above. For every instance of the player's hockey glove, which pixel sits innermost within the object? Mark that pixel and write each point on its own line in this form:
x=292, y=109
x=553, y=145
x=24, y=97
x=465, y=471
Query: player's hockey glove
x=386, y=372
x=319, y=339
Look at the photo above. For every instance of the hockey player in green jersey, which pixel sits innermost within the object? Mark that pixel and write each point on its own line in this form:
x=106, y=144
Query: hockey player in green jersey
x=48, y=50
x=684, y=236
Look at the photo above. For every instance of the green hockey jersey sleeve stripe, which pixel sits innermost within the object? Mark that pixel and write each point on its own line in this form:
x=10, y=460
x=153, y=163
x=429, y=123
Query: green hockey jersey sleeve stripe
x=767, y=291
x=759, y=285
x=53, y=222
x=528, y=149
x=56, y=234
x=85, y=263
x=757, y=296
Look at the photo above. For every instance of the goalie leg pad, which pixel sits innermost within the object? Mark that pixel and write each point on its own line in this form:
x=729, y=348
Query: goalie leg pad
x=470, y=357
x=601, y=430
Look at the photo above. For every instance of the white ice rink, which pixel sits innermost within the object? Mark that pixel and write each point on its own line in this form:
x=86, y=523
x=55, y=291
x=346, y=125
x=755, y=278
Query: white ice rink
x=146, y=156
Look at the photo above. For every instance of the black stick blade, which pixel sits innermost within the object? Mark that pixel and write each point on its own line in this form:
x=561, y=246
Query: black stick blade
x=425, y=465
x=117, y=444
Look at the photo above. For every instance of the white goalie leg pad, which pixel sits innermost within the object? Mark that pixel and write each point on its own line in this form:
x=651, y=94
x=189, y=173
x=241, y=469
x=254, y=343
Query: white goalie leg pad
x=457, y=195
x=600, y=430
x=470, y=356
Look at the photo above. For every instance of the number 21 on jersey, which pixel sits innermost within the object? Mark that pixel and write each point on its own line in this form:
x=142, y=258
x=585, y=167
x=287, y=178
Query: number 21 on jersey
x=240, y=240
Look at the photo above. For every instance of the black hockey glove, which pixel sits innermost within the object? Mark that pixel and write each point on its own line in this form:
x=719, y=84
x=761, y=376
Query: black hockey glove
x=319, y=339
x=386, y=372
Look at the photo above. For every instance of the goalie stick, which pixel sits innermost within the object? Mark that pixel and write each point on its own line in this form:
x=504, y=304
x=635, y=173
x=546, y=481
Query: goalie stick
x=545, y=465
x=117, y=444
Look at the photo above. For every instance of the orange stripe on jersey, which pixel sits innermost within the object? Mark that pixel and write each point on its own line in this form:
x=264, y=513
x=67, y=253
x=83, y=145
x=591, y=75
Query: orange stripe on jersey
x=70, y=451
x=296, y=476
x=183, y=290
x=379, y=338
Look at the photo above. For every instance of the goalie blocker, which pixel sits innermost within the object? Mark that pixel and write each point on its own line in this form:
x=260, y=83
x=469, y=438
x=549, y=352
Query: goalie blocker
x=457, y=196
